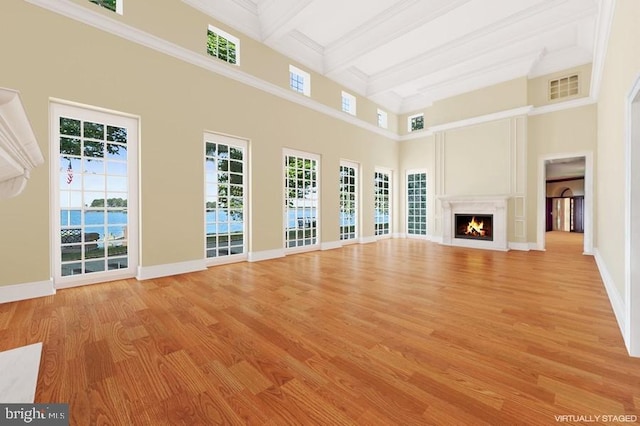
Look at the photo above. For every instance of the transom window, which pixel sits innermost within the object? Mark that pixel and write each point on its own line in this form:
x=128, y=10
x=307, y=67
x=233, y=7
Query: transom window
x=382, y=202
x=299, y=81
x=225, y=204
x=112, y=5
x=348, y=200
x=301, y=199
x=415, y=122
x=417, y=203
x=348, y=103
x=223, y=45
x=383, y=120
x=95, y=203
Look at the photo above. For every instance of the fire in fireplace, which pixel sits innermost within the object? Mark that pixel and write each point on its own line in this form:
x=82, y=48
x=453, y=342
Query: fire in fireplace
x=474, y=226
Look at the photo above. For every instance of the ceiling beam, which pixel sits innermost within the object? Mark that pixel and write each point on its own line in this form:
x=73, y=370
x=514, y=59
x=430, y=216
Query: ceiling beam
x=277, y=18
x=390, y=24
x=448, y=54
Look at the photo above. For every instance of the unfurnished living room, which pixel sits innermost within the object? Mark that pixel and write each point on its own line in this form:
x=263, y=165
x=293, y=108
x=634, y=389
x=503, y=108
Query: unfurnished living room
x=318, y=212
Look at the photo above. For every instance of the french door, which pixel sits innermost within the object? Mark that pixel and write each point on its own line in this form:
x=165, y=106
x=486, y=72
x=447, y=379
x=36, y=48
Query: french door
x=94, y=195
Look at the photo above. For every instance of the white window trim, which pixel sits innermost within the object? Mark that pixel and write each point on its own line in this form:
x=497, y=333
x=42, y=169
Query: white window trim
x=57, y=108
x=119, y=7
x=229, y=37
x=306, y=87
x=411, y=117
x=356, y=166
x=383, y=119
x=352, y=103
x=406, y=206
x=242, y=143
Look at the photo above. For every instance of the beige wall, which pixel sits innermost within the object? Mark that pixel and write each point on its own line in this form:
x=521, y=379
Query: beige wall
x=177, y=102
x=622, y=68
x=558, y=133
x=500, y=97
x=477, y=160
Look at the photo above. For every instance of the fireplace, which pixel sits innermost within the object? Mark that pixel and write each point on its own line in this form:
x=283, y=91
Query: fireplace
x=475, y=221
x=474, y=226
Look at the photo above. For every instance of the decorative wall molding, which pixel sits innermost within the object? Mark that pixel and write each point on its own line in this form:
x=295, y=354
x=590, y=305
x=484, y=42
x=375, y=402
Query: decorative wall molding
x=519, y=246
x=331, y=245
x=603, y=29
x=615, y=298
x=562, y=106
x=19, y=150
x=159, y=271
x=368, y=240
x=15, y=292
x=258, y=256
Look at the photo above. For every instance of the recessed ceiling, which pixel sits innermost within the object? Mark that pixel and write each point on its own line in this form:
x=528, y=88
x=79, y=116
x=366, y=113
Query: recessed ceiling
x=406, y=54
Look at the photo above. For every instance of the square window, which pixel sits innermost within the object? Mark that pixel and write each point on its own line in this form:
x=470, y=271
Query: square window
x=223, y=45
x=348, y=103
x=415, y=122
x=299, y=81
x=383, y=120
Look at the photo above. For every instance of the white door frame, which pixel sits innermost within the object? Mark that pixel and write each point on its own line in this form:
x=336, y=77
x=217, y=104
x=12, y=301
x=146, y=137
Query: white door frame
x=588, y=197
x=60, y=107
x=631, y=328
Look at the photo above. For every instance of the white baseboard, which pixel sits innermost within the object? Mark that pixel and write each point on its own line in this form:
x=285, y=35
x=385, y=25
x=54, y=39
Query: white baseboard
x=399, y=235
x=436, y=239
x=519, y=246
x=368, y=240
x=331, y=245
x=158, y=271
x=15, y=292
x=615, y=298
x=258, y=256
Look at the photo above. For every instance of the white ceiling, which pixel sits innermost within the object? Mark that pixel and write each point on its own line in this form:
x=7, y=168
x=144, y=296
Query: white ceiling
x=406, y=54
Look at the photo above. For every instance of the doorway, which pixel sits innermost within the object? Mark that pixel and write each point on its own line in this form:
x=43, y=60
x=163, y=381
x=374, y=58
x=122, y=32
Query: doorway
x=565, y=200
x=632, y=215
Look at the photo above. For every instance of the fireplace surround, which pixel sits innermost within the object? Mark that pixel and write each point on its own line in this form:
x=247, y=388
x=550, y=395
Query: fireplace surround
x=491, y=210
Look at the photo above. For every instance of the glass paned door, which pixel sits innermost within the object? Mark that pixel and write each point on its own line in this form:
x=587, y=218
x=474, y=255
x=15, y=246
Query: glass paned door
x=348, y=201
x=301, y=199
x=417, y=203
x=225, y=204
x=382, y=211
x=95, y=157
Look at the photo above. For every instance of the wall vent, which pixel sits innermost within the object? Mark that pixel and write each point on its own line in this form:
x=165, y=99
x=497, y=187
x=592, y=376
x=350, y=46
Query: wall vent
x=564, y=87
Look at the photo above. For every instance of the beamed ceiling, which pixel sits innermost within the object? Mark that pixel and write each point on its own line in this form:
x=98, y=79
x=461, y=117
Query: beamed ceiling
x=406, y=54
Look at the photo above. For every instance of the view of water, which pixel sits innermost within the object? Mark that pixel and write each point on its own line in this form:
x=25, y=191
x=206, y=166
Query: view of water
x=96, y=221
x=116, y=221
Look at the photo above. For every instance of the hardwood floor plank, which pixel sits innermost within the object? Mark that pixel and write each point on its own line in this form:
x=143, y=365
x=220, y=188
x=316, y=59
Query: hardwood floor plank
x=396, y=332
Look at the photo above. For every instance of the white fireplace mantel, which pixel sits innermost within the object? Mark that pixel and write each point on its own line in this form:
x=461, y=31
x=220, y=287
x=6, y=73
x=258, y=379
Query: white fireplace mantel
x=495, y=205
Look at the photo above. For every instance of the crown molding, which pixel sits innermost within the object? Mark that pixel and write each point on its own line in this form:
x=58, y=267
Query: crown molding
x=561, y=106
x=117, y=28
x=603, y=30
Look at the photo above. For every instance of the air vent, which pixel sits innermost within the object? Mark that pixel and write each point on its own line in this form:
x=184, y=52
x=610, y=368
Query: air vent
x=563, y=87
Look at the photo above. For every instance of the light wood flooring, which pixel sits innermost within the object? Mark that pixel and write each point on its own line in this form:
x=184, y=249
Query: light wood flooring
x=396, y=332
